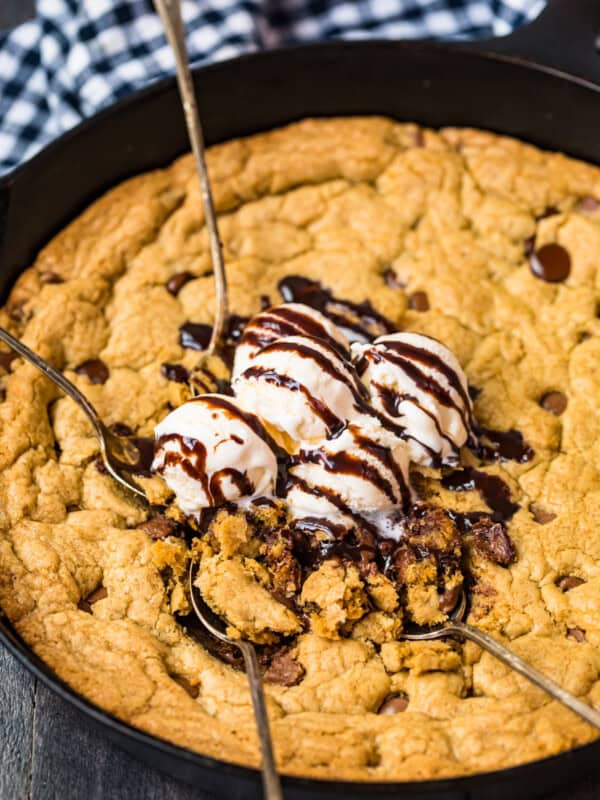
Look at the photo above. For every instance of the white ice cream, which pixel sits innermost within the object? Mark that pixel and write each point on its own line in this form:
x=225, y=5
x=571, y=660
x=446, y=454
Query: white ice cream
x=210, y=452
x=417, y=384
x=364, y=469
x=300, y=387
x=288, y=319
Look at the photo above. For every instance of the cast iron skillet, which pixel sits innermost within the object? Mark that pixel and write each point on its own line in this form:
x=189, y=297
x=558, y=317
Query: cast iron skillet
x=490, y=85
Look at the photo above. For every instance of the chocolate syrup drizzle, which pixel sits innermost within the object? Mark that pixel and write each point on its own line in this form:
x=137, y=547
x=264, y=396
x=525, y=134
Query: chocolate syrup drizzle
x=287, y=321
x=413, y=361
x=492, y=489
x=358, y=465
x=191, y=455
x=329, y=362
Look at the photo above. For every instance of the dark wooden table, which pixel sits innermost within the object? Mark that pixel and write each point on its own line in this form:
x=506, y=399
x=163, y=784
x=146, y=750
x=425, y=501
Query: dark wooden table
x=47, y=751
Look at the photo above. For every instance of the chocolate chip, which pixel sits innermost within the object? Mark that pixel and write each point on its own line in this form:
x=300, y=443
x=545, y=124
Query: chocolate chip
x=418, y=301
x=159, y=527
x=551, y=263
x=72, y=508
x=195, y=336
x=540, y=514
x=265, y=302
x=85, y=604
x=17, y=312
x=587, y=203
x=394, y=704
x=577, y=634
x=95, y=370
x=549, y=211
x=392, y=280
x=192, y=689
x=120, y=429
x=554, y=402
x=100, y=466
x=492, y=541
x=177, y=281
x=50, y=277
x=474, y=392
x=419, y=140
x=567, y=582
x=284, y=670
x=174, y=372
x=235, y=326
x=449, y=599
x=6, y=359
x=583, y=337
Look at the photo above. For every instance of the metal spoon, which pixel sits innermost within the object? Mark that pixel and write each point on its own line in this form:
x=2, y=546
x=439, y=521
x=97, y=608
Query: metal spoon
x=118, y=453
x=170, y=13
x=216, y=626
x=455, y=627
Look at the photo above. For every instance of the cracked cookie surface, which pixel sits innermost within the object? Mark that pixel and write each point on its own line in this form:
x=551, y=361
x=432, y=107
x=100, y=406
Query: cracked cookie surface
x=436, y=229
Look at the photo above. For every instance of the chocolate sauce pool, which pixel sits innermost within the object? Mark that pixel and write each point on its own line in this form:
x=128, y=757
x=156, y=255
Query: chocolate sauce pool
x=360, y=320
x=492, y=489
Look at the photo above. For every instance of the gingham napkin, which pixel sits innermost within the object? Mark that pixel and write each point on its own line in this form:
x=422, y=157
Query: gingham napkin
x=80, y=55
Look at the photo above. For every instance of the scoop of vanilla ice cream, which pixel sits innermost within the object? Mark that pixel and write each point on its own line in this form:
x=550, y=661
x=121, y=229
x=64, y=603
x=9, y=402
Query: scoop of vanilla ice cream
x=209, y=451
x=288, y=319
x=418, y=385
x=300, y=387
x=362, y=470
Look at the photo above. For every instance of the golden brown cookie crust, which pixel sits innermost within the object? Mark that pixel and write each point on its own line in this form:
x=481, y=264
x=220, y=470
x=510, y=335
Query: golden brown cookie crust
x=343, y=201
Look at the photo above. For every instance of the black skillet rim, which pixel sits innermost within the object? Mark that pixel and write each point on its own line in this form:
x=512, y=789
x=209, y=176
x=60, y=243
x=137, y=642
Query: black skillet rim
x=35, y=665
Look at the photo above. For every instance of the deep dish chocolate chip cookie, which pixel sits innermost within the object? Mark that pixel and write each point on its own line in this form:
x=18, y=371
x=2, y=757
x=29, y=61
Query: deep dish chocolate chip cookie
x=484, y=244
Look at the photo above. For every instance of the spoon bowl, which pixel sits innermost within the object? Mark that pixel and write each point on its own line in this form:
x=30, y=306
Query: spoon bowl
x=217, y=627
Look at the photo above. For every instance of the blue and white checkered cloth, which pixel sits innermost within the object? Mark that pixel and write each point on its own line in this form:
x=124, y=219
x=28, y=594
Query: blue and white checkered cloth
x=80, y=55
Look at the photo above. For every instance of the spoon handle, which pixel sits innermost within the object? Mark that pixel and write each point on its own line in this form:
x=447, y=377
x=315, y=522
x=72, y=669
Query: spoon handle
x=516, y=663
x=271, y=782
x=170, y=13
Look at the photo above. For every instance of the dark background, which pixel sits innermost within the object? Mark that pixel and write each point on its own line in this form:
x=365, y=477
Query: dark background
x=47, y=752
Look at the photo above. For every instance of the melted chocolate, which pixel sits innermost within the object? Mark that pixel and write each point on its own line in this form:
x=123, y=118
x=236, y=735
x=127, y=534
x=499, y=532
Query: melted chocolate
x=493, y=445
x=195, y=335
x=551, y=263
x=474, y=392
x=492, y=489
x=235, y=327
x=6, y=359
x=174, y=372
x=50, y=277
x=178, y=281
x=392, y=280
x=359, y=318
x=95, y=370
x=418, y=301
